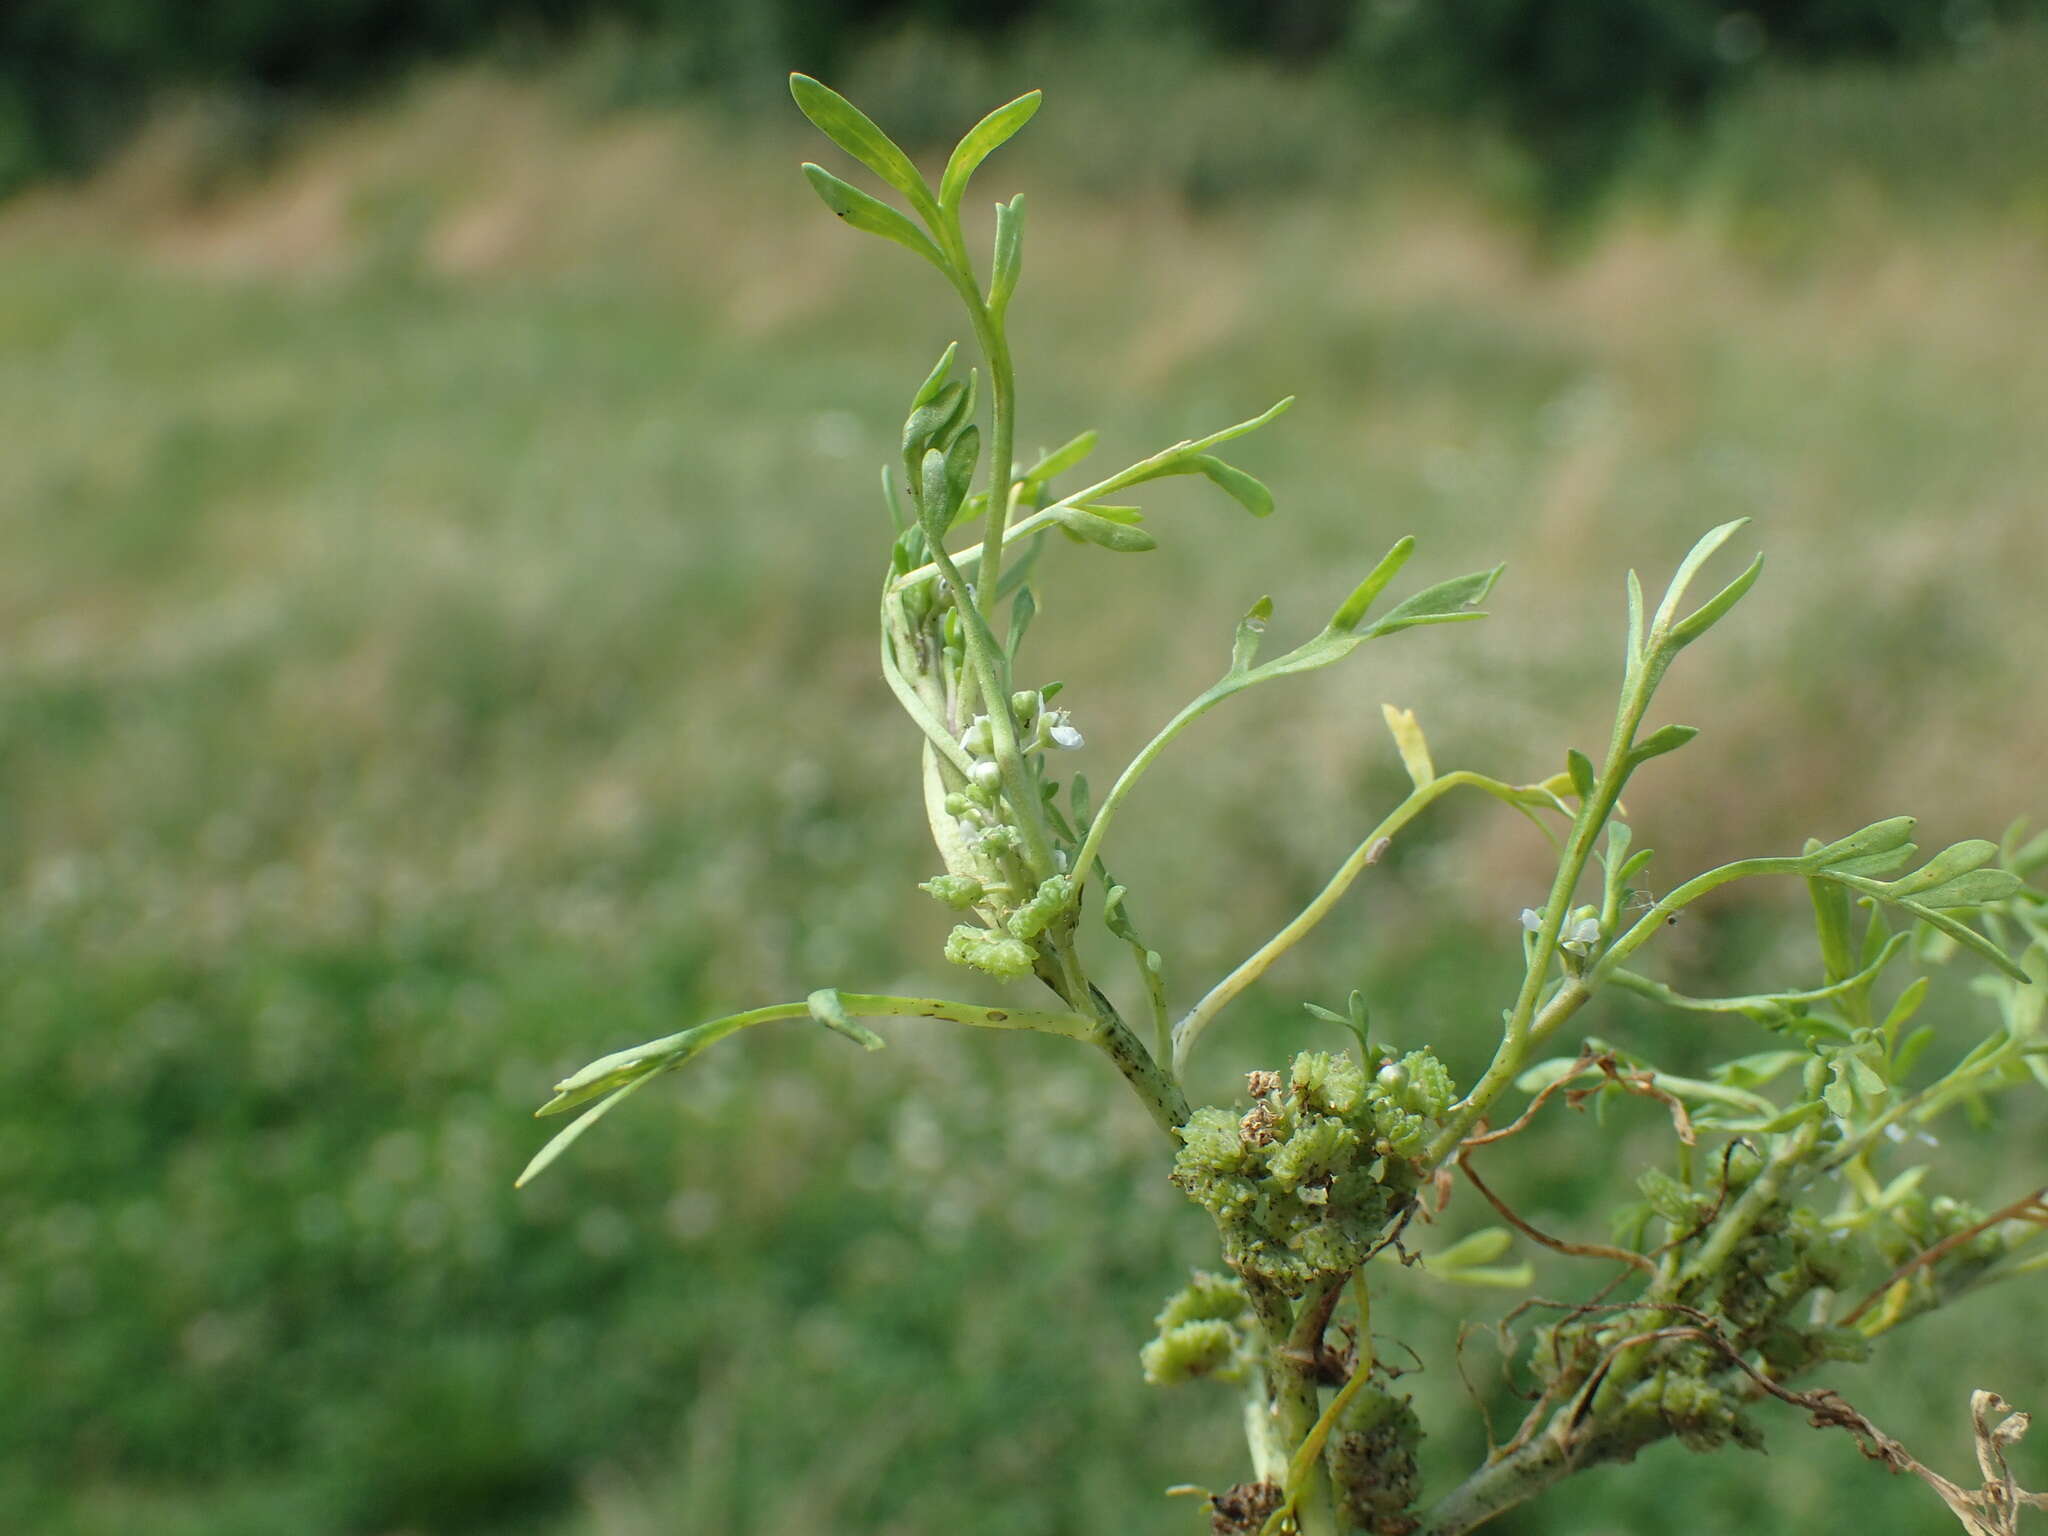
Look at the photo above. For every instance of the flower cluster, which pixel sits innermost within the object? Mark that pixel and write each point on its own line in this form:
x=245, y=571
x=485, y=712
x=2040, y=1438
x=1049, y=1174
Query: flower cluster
x=1205, y=1329
x=1372, y=1465
x=1305, y=1181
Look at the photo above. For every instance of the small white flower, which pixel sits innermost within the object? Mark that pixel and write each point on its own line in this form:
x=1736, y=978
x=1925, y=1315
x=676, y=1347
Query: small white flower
x=1900, y=1134
x=1585, y=933
x=1059, y=729
x=1532, y=920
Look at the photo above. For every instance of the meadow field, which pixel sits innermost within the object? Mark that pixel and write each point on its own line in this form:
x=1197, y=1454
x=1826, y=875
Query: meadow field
x=436, y=577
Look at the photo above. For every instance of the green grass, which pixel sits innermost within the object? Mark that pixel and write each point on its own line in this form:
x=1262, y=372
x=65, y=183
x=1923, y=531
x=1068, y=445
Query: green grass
x=436, y=593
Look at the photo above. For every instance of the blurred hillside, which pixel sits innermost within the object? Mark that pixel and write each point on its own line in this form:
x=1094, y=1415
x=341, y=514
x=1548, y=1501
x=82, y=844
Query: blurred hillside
x=435, y=608
x=1565, y=88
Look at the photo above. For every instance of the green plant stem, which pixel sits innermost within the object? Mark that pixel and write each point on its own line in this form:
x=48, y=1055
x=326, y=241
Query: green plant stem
x=991, y=668
x=1308, y=1455
x=1198, y=1018
x=1594, y=811
x=1154, y=1083
x=1002, y=375
x=1499, y=1485
x=1295, y=1405
x=1160, y=463
x=925, y=712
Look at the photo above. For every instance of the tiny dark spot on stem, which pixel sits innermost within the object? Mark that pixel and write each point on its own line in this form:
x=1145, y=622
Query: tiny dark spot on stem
x=996, y=1015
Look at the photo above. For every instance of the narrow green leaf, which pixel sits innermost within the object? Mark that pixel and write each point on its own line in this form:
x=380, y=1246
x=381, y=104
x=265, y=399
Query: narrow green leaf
x=1703, y=551
x=1878, y=837
x=852, y=130
x=986, y=136
x=1796, y=1115
x=1958, y=859
x=1757, y=1071
x=961, y=458
x=896, y=520
x=1711, y=612
x=1968, y=937
x=620, y=1068
x=829, y=1010
x=1081, y=800
x=1009, y=256
x=1448, y=602
x=927, y=421
x=1657, y=743
x=928, y=391
x=1023, y=608
x=1974, y=889
x=1908, y=1004
x=565, y=1138
x=1246, y=490
x=1635, y=621
x=1103, y=531
x=1875, y=865
x=1251, y=630
x=1637, y=861
x=1062, y=459
x=1580, y=767
x=1910, y=1050
x=1504, y=1277
x=933, y=513
x=1352, y=613
x=1839, y=1097
x=1481, y=1247
x=1114, y=916
x=873, y=215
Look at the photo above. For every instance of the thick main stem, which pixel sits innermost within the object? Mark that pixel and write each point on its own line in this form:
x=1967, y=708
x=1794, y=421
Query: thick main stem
x=1293, y=1402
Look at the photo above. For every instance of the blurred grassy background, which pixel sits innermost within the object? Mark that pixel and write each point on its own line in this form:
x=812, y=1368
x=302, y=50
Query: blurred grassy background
x=436, y=602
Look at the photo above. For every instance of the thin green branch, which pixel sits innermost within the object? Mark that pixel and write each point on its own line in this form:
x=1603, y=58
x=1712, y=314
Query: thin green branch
x=1145, y=469
x=1368, y=852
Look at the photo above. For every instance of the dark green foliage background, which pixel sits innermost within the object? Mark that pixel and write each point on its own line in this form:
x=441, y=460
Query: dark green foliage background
x=1570, y=79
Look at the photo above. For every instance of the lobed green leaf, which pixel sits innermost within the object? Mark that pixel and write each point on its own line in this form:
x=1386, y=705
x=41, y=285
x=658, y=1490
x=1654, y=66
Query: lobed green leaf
x=1448, y=602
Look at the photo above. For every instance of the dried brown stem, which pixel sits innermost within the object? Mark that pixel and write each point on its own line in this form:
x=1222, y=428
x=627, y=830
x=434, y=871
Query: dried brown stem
x=1577, y=1250
x=2033, y=1208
